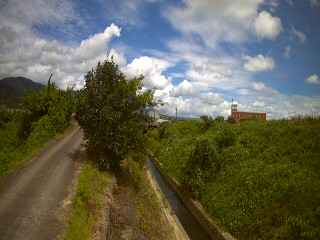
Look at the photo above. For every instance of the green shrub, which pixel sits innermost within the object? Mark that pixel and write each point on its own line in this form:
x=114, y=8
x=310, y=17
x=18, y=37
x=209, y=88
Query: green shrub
x=225, y=139
x=203, y=163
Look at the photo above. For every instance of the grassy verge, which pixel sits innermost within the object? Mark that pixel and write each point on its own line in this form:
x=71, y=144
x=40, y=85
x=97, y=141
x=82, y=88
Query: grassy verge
x=88, y=201
x=14, y=152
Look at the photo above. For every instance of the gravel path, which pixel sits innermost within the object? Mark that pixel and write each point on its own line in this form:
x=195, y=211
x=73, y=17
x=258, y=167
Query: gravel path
x=33, y=202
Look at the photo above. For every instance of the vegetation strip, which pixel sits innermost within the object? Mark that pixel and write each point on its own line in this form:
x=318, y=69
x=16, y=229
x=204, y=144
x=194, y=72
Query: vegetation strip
x=45, y=115
x=89, y=216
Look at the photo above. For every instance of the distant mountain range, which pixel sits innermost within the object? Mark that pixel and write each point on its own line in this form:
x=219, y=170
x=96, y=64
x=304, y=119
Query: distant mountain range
x=12, y=88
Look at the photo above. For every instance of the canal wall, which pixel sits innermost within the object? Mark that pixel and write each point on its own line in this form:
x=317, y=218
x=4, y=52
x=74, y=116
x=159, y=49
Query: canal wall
x=195, y=207
x=172, y=219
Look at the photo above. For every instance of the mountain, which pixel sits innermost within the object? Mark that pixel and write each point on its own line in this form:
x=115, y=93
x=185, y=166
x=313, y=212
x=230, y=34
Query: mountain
x=12, y=88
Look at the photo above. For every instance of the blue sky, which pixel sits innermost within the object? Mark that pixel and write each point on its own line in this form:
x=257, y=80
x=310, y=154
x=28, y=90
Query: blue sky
x=198, y=53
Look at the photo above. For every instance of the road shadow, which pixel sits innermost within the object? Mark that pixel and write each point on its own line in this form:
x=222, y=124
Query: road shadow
x=77, y=155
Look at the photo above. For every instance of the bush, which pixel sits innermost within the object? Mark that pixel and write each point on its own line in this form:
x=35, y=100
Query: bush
x=225, y=139
x=203, y=163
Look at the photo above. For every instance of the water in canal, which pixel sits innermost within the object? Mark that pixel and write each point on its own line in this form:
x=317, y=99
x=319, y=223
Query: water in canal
x=186, y=218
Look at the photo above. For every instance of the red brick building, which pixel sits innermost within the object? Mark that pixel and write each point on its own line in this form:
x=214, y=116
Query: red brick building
x=237, y=116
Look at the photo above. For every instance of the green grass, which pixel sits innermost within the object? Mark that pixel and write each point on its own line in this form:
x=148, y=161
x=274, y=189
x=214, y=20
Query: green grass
x=15, y=152
x=92, y=184
x=257, y=180
x=12, y=152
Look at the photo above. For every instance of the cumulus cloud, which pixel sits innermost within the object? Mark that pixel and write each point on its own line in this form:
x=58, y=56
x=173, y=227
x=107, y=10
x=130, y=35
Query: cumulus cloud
x=313, y=79
x=36, y=58
x=24, y=52
x=218, y=21
x=212, y=98
x=96, y=44
x=185, y=88
x=301, y=36
x=151, y=69
x=195, y=107
x=267, y=26
x=8, y=38
x=260, y=86
x=259, y=63
x=265, y=98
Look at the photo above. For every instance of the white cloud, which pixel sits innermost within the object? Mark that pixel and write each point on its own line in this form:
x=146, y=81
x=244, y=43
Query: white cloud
x=218, y=21
x=118, y=58
x=185, y=88
x=259, y=63
x=207, y=72
x=212, y=98
x=267, y=26
x=36, y=58
x=96, y=44
x=260, y=86
x=60, y=16
x=208, y=68
x=195, y=107
x=51, y=58
x=242, y=91
x=313, y=79
x=287, y=52
x=258, y=104
x=302, y=37
x=151, y=69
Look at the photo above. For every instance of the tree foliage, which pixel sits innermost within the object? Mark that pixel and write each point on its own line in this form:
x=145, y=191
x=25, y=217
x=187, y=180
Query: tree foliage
x=51, y=108
x=46, y=114
x=107, y=109
x=219, y=119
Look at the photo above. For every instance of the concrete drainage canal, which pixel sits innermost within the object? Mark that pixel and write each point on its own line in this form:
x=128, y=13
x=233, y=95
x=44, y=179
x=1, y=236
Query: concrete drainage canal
x=186, y=218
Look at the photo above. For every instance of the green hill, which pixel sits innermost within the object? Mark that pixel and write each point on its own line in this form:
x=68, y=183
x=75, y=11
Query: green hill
x=12, y=88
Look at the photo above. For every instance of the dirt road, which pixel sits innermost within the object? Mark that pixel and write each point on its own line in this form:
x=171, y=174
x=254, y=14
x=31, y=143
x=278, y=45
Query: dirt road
x=32, y=203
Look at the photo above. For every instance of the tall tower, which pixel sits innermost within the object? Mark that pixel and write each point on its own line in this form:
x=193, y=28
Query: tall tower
x=234, y=106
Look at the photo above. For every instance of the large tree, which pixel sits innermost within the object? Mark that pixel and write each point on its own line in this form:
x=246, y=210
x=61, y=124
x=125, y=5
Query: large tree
x=108, y=110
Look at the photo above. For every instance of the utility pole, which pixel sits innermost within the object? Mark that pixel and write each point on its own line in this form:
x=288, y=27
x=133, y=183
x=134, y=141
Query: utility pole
x=176, y=113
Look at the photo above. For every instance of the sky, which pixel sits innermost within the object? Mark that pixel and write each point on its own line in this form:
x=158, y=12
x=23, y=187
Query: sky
x=199, y=54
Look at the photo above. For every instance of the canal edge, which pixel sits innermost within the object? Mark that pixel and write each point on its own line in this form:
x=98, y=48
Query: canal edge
x=172, y=219
x=194, y=206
